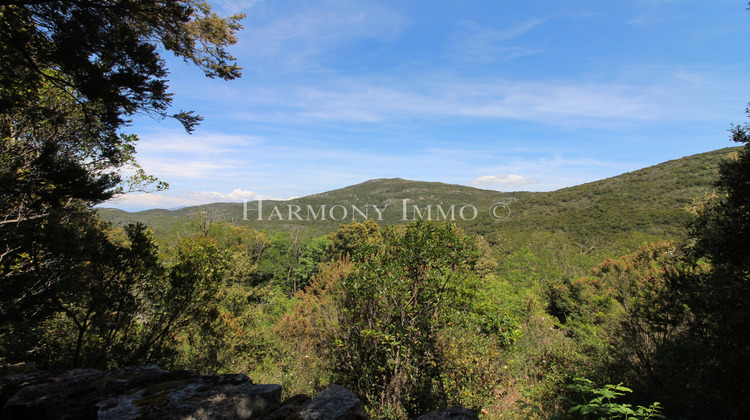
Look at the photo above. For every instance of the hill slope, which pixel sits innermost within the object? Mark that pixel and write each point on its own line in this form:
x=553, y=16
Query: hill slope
x=382, y=200
x=647, y=202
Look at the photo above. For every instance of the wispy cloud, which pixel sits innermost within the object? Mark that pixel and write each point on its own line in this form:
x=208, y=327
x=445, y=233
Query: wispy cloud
x=646, y=20
x=180, y=155
x=561, y=103
x=477, y=43
x=202, y=143
x=550, y=173
x=140, y=201
x=501, y=181
x=237, y=195
x=177, y=168
x=307, y=31
x=232, y=6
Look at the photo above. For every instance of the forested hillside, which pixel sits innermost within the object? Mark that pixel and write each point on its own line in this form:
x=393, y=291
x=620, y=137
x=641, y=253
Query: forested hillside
x=574, y=283
x=628, y=209
x=388, y=195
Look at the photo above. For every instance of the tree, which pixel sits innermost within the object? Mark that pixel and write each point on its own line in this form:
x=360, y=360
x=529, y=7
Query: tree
x=103, y=291
x=188, y=309
x=721, y=231
x=719, y=296
x=113, y=290
x=401, y=294
x=103, y=53
x=73, y=73
x=59, y=253
x=684, y=309
x=313, y=255
x=720, y=234
x=350, y=236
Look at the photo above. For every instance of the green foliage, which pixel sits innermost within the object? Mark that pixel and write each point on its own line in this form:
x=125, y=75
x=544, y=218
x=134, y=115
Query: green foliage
x=411, y=317
x=720, y=233
x=599, y=403
x=126, y=283
x=291, y=262
x=715, y=289
x=477, y=349
x=73, y=74
x=238, y=337
x=105, y=53
x=116, y=304
x=403, y=293
x=721, y=228
x=671, y=318
x=197, y=275
x=307, y=334
x=349, y=237
x=78, y=279
x=544, y=357
x=313, y=255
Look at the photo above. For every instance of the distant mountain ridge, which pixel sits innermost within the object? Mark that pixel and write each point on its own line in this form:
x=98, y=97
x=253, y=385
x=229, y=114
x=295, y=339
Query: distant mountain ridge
x=324, y=212
x=650, y=201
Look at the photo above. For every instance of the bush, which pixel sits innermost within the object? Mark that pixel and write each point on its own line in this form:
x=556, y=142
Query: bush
x=599, y=403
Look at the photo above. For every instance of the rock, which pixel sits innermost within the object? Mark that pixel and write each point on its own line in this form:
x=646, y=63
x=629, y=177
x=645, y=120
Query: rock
x=287, y=408
x=15, y=377
x=133, y=393
x=55, y=396
x=335, y=403
x=148, y=392
x=452, y=413
x=207, y=397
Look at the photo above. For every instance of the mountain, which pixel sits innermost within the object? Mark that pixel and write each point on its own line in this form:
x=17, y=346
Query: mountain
x=647, y=203
x=635, y=207
x=387, y=201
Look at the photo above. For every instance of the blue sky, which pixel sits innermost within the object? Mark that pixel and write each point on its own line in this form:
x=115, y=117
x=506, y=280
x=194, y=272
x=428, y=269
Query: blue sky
x=505, y=95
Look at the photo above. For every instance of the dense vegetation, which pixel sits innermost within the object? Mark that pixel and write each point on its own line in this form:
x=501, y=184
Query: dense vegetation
x=605, y=300
x=425, y=314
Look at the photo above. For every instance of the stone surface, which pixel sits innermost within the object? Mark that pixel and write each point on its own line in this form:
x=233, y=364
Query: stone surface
x=450, y=413
x=134, y=393
x=335, y=403
x=148, y=392
x=287, y=409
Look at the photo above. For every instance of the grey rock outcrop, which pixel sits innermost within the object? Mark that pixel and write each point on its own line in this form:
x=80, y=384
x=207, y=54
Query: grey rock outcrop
x=134, y=393
x=335, y=403
x=148, y=392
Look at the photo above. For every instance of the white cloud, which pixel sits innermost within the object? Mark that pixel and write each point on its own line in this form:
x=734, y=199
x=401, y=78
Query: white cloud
x=571, y=104
x=166, y=170
x=501, y=181
x=294, y=41
x=477, y=43
x=143, y=201
x=224, y=7
x=175, y=155
x=236, y=195
x=201, y=143
x=554, y=172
